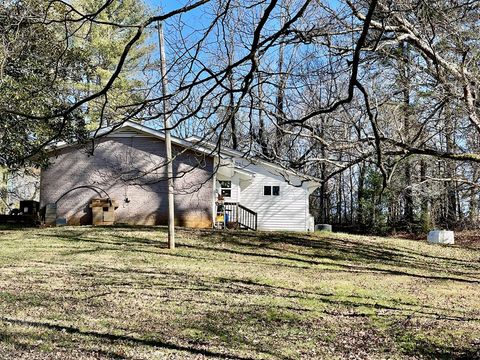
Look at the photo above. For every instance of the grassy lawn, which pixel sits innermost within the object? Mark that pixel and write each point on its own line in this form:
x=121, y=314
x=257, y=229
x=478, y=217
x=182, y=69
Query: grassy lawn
x=98, y=293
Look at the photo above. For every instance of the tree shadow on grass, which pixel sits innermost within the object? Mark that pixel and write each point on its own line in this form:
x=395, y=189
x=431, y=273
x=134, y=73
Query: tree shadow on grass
x=220, y=324
x=25, y=346
x=364, y=266
x=121, y=338
x=425, y=349
x=338, y=250
x=139, y=245
x=123, y=243
x=169, y=282
x=350, y=301
x=364, y=250
x=327, y=252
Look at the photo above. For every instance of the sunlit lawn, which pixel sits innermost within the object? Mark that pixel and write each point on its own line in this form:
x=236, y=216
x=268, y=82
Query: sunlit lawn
x=114, y=293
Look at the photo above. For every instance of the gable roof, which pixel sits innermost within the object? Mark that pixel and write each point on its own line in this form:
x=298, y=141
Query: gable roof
x=238, y=154
x=194, y=143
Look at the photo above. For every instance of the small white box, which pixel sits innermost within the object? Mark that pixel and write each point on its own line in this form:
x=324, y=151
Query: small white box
x=441, y=237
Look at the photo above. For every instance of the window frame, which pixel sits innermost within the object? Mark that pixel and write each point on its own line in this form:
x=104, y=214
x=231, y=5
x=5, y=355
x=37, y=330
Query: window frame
x=265, y=187
x=224, y=190
x=271, y=190
x=222, y=182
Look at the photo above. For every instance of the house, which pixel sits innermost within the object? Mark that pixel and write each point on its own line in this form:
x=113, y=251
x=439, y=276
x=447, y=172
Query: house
x=128, y=166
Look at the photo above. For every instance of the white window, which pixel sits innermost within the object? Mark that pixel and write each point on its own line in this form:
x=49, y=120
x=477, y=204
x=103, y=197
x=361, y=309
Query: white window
x=225, y=188
x=271, y=190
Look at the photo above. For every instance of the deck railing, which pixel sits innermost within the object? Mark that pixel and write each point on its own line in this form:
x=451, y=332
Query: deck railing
x=240, y=216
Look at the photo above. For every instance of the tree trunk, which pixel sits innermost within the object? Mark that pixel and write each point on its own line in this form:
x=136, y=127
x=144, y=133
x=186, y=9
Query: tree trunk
x=425, y=218
x=451, y=208
x=282, y=80
x=407, y=123
x=473, y=206
x=231, y=113
x=261, y=135
x=361, y=196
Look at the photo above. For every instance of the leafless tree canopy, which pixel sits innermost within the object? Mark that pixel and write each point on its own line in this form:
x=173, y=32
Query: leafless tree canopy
x=377, y=98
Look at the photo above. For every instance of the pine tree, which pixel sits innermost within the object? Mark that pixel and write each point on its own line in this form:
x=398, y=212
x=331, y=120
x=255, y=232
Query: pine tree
x=104, y=44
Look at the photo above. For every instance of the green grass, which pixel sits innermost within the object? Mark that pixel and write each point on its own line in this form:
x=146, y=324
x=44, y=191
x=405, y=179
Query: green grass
x=100, y=293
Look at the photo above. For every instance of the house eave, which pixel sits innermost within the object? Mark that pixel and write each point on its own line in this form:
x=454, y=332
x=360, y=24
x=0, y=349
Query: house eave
x=195, y=144
x=285, y=172
x=110, y=131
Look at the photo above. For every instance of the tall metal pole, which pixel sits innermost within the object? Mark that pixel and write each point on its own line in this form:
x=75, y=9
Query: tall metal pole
x=168, y=140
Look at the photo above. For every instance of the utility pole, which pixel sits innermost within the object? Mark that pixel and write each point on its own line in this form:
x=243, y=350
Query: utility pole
x=168, y=140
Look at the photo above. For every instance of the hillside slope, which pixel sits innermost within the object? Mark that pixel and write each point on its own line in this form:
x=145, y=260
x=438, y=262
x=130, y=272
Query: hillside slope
x=100, y=293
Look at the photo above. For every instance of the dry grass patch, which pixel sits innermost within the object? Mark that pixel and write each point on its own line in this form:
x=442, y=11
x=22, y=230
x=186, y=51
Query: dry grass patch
x=115, y=293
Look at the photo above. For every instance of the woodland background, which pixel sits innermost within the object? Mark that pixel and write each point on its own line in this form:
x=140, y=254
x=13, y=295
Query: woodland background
x=378, y=99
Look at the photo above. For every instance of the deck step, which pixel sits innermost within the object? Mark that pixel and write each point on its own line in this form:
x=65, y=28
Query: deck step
x=243, y=217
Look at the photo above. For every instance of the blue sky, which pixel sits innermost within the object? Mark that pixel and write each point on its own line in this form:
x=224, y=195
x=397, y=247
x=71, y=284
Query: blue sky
x=193, y=17
x=167, y=5
x=171, y=4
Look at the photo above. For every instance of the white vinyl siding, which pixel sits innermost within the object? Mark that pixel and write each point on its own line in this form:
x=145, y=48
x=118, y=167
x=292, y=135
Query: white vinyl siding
x=235, y=189
x=287, y=211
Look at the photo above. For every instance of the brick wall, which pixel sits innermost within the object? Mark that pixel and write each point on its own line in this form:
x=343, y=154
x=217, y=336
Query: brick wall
x=133, y=168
